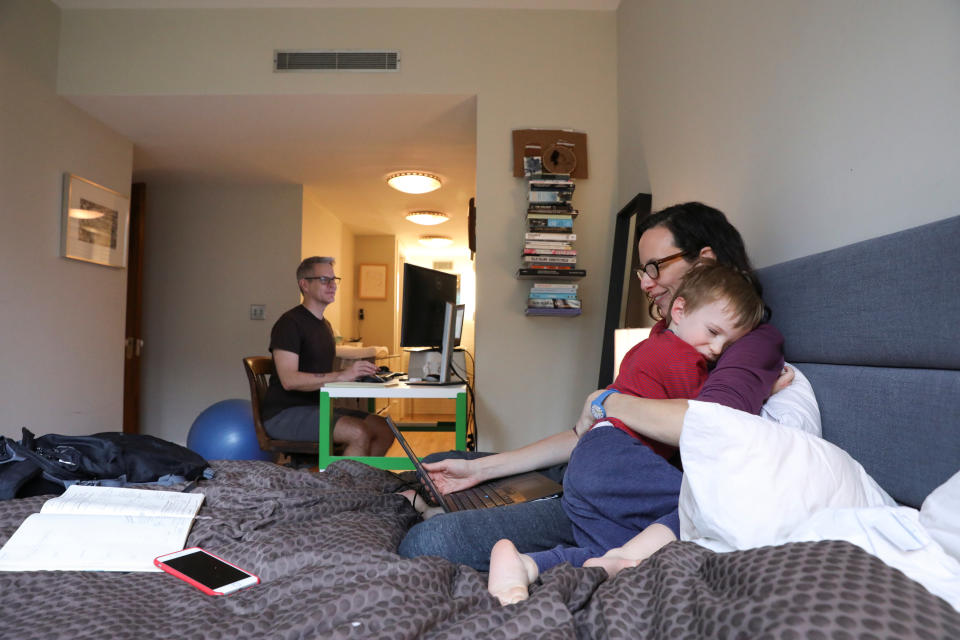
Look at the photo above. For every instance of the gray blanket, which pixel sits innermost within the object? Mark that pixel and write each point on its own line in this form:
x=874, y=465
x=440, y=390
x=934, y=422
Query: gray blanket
x=323, y=546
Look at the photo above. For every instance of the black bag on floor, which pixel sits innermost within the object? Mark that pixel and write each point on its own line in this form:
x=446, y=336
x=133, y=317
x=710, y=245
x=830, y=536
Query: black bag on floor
x=50, y=463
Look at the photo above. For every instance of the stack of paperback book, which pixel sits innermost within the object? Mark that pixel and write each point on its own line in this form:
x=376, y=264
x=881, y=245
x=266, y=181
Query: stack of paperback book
x=554, y=299
x=548, y=252
x=548, y=247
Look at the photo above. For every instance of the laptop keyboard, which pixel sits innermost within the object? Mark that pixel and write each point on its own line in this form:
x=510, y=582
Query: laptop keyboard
x=476, y=498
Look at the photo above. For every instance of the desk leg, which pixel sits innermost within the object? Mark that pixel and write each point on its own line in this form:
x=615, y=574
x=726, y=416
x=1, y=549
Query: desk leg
x=461, y=422
x=324, y=431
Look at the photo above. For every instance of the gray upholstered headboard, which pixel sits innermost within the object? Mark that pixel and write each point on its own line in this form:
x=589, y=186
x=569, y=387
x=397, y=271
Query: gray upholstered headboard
x=875, y=326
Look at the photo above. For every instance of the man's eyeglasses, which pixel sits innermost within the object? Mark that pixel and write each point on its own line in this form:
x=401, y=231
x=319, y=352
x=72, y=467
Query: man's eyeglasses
x=324, y=280
x=652, y=268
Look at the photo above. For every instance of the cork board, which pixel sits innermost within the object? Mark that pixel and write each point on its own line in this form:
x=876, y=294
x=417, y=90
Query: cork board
x=562, y=150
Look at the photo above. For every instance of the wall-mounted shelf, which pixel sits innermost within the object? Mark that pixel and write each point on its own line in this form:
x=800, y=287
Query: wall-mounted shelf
x=549, y=257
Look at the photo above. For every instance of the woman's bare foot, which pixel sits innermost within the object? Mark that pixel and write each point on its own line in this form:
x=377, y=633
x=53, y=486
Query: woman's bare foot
x=425, y=510
x=511, y=573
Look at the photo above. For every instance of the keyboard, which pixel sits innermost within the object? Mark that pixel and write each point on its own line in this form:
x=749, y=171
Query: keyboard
x=479, y=498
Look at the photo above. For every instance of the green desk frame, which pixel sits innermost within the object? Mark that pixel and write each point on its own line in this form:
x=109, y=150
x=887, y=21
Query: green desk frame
x=457, y=393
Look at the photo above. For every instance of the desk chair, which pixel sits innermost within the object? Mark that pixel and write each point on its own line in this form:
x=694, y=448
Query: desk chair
x=258, y=369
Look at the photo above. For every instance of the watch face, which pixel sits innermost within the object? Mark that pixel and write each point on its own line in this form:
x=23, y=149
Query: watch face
x=597, y=411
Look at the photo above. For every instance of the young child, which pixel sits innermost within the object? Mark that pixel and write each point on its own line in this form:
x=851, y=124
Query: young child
x=618, y=483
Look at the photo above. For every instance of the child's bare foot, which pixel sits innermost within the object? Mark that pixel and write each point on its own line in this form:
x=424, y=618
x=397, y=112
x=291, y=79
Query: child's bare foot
x=510, y=573
x=612, y=564
x=418, y=503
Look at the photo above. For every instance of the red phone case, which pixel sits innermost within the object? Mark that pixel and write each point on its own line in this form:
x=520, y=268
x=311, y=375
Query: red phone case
x=207, y=590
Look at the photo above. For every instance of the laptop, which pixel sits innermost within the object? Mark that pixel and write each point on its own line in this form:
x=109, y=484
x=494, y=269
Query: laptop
x=522, y=487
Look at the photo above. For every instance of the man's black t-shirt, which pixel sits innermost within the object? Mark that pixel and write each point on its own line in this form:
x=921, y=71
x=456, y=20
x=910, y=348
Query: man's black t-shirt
x=310, y=337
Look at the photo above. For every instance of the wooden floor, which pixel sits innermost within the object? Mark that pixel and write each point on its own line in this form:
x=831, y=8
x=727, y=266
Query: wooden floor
x=425, y=442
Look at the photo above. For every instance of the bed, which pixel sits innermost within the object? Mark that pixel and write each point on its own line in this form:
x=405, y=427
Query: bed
x=324, y=544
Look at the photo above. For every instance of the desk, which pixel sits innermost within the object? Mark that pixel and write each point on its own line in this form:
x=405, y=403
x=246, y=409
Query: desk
x=456, y=392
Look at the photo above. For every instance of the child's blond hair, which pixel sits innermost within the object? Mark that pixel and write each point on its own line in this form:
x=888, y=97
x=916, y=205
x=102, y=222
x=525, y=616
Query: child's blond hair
x=708, y=281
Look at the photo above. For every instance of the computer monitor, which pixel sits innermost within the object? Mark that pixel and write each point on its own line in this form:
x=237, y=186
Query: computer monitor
x=422, y=314
x=430, y=318
x=452, y=330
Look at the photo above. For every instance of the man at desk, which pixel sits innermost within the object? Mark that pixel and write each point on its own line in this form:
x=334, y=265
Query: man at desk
x=303, y=348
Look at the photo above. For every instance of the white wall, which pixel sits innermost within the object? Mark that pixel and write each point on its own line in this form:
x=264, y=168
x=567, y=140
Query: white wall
x=532, y=373
x=812, y=124
x=377, y=327
x=61, y=321
x=211, y=252
x=325, y=235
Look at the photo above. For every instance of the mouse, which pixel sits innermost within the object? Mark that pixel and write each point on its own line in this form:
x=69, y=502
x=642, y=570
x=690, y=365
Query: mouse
x=382, y=369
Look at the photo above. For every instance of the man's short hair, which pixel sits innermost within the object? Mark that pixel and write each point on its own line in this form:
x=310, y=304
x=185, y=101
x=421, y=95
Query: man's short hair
x=306, y=267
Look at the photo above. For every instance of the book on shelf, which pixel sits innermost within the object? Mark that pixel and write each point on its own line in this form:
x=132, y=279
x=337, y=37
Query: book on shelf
x=550, y=223
x=553, y=303
x=549, y=196
x=550, y=259
x=551, y=312
x=555, y=286
x=552, y=272
x=552, y=182
x=552, y=237
x=562, y=207
x=539, y=295
x=565, y=192
x=544, y=303
x=101, y=529
x=561, y=215
x=551, y=230
x=541, y=268
x=549, y=252
x=546, y=245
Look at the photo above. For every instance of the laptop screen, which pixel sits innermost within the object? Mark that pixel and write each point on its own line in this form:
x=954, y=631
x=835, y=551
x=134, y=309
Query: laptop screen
x=424, y=476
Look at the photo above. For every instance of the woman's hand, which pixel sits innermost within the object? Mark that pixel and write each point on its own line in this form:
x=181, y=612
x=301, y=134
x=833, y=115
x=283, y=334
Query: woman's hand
x=784, y=380
x=586, y=419
x=453, y=474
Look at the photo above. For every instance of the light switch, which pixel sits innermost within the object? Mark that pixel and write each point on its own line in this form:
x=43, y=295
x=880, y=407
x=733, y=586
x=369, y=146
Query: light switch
x=258, y=311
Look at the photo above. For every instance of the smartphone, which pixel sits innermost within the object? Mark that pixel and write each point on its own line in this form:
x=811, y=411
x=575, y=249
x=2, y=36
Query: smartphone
x=212, y=575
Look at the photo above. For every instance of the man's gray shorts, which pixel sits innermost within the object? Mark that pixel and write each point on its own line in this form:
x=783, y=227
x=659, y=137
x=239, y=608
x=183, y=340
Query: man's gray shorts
x=303, y=423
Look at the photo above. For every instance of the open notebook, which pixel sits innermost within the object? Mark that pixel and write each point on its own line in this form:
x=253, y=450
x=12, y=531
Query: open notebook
x=101, y=529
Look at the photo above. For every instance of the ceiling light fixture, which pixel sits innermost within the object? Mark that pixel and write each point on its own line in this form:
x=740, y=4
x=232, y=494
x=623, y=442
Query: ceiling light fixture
x=414, y=181
x=427, y=217
x=436, y=241
x=85, y=214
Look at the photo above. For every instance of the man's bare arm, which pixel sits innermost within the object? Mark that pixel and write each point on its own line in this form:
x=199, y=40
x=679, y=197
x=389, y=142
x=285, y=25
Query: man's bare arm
x=287, y=364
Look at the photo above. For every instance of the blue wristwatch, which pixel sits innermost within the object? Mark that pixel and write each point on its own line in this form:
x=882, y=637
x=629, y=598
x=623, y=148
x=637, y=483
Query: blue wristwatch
x=596, y=407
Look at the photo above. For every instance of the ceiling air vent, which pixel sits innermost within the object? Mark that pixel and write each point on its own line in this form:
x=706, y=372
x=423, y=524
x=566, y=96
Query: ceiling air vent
x=317, y=60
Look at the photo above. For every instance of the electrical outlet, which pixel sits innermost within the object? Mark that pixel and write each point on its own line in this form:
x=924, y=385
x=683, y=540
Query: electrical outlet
x=258, y=311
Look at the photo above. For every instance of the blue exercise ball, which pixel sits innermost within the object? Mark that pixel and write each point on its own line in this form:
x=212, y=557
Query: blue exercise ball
x=225, y=431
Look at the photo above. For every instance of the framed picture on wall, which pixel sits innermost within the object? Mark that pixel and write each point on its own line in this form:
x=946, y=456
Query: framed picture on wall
x=372, y=284
x=93, y=223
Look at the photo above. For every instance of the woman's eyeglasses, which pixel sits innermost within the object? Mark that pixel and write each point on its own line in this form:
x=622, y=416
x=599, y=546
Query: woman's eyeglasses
x=325, y=280
x=652, y=268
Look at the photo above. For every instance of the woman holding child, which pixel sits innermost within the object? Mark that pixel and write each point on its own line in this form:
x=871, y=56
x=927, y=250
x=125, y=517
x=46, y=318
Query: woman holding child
x=671, y=243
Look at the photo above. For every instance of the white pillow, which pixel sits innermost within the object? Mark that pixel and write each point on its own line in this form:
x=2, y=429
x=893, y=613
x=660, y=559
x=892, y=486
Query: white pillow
x=796, y=406
x=748, y=481
x=940, y=514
